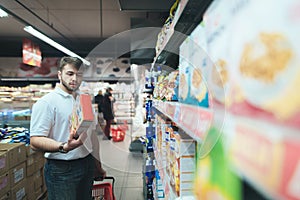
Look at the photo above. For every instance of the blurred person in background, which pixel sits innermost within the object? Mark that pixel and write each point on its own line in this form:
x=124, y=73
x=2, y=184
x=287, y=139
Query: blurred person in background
x=99, y=101
x=108, y=114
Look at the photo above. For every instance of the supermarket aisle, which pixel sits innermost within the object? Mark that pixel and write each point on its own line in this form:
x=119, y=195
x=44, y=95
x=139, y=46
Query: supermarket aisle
x=125, y=166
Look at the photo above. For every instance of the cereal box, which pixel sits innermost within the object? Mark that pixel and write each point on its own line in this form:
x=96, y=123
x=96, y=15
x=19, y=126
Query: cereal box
x=83, y=115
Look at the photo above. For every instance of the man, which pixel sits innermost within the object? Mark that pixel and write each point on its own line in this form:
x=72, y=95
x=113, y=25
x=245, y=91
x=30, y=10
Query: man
x=70, y=167
x=99, y=101
x=108, y=112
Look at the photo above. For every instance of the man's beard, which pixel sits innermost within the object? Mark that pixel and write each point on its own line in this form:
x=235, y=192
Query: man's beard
x=68, y=87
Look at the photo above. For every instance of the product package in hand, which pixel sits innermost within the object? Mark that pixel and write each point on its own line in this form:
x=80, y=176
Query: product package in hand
x=82, y=115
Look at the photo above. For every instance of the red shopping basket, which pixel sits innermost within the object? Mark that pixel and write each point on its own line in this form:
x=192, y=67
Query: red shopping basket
x=104, y=191
x=118, y=132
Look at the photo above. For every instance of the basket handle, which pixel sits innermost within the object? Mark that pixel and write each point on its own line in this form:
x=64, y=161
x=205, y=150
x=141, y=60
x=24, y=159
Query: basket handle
x=111, y=178
x=113, y=181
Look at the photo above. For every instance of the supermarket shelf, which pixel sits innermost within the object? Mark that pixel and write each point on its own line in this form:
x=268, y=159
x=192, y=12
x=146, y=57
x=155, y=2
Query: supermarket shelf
x=264, y=155
x=161, y=167
x=188, y=15
x=20, y=82
x=108, y=79
x=16, y=123
x=124, y=101
x=195, y=121
x=259, y=188
x=164, y=176
x=49, y=80
x=30, y=79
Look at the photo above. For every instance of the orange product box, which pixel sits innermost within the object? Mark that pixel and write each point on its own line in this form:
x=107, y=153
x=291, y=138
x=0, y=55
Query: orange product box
x=83, y=115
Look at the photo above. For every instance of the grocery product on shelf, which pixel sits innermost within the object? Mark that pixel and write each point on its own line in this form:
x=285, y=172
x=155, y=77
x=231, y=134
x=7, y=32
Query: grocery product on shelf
x=183, y=89
x=217, y=30
x=249, y=129
x=175, y=155
x=265, y=62
x=193, y=87
x=14, y=135
x=167, y=87
x=214, y=178
x=166, y=30
x=184, y=164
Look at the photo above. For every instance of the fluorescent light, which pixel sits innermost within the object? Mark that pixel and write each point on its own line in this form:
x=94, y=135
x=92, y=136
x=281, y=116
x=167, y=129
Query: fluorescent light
x=46, y=39
x=3, y=13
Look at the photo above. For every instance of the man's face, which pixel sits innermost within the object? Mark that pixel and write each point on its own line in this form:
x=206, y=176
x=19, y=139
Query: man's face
x=70, y=78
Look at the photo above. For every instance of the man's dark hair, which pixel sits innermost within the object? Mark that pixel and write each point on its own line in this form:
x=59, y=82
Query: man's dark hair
x=109, y=89
x=70, y=60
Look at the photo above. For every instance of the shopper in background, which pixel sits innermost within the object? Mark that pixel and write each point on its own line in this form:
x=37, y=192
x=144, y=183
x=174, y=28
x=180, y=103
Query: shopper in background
x=71, y=164
x=108, y=111
x=99, y=101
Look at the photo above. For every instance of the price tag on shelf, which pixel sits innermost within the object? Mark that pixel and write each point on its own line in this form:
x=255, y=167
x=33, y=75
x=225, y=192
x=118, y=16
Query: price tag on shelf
x=290, y=186
x=196, y=120
x=294, y=186
x=170, y=109
x=177, y=113
x=257, y=156
x=268, y=155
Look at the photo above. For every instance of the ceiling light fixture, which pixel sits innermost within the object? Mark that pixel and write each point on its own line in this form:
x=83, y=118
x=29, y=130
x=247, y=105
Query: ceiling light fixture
x=51, y=42
x=3, y=13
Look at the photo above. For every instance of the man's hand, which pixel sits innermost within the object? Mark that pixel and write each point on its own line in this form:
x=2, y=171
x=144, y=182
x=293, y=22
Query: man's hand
x=100, y=173
x=74, y=142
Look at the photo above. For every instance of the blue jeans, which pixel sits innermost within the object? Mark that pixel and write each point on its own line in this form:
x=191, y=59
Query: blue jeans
x=70, y=180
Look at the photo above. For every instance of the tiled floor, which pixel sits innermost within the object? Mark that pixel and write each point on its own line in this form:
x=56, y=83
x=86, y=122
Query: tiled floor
x=124, y=166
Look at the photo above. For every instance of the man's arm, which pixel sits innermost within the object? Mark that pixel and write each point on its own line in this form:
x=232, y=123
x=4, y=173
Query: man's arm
x=100, y=172
x=41, y=143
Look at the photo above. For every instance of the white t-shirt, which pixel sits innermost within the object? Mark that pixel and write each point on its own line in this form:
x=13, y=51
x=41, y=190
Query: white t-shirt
x=50, y=117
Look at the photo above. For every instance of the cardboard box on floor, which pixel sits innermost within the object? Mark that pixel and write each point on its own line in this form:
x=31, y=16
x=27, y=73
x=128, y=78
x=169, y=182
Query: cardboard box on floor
x=34, y=162
x=19, y=191
x=6, y=196
x=4, y=184
x=35, y=189
x=83, y=115
x=17, y=174
x=3, y=162
x=15, y=154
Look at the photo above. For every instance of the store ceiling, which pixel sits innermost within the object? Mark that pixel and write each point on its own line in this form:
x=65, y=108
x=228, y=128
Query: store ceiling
x=79, y=25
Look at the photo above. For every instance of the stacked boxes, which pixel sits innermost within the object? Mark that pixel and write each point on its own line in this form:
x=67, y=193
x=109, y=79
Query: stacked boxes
x=34, y=169
x=176, y=160
x=185, y=164
x=158, y=186
x=13, y=171
x=4, y=177
x=17, y=167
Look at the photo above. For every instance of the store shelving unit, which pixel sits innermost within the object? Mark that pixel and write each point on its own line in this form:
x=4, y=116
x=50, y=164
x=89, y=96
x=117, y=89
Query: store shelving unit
x=22, y=82
x=164, y=176
x=184, y=116
x=188, y=15
x=16, y=104
x=124, y=106
x=262, y=152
